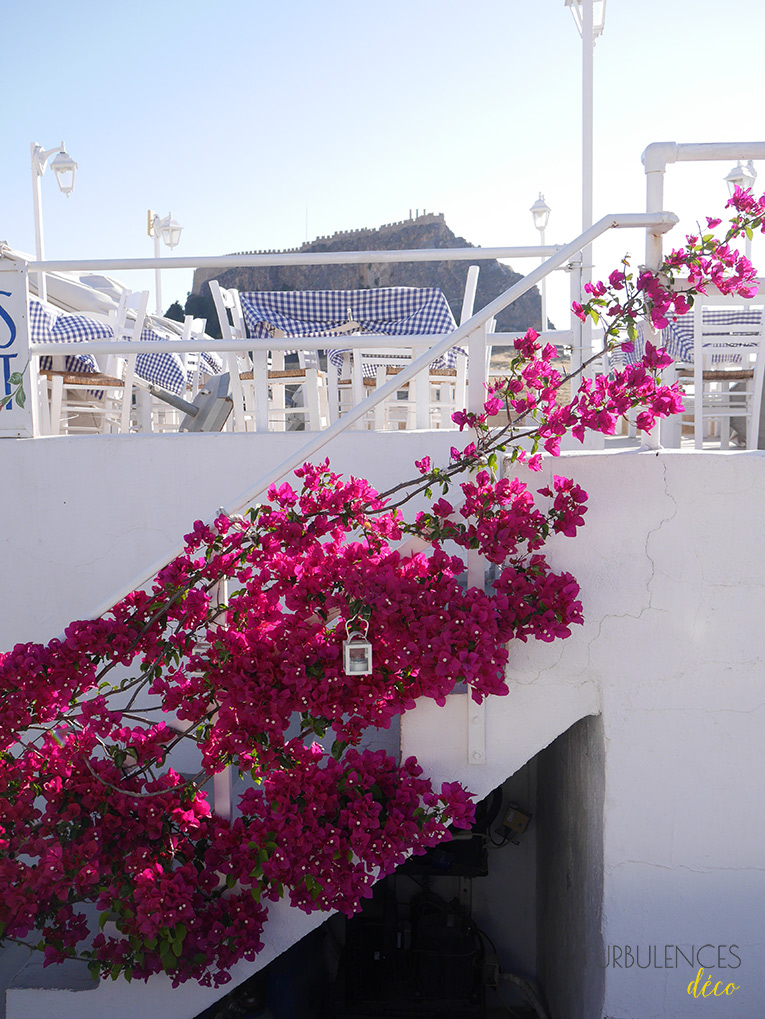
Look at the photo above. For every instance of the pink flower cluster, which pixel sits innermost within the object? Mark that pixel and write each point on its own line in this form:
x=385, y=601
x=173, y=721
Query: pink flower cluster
x=91, y=813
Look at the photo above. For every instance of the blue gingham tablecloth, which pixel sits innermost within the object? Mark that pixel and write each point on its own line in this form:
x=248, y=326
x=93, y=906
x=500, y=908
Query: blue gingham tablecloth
x=387, y=311
x=166, y=369
x=163, y=369
x=45, y=325
x=677, y=338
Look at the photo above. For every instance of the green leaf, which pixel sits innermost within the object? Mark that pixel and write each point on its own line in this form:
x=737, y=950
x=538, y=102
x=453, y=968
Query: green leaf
x=6, y=399
x=168, y=957
x=15, y=378
x=102, y=920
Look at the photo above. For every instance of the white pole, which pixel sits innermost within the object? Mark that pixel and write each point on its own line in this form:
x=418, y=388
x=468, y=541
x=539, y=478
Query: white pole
x=42, y=291
x=654, y=200
x=543, y=287
x=157, y=271
x=588, y=47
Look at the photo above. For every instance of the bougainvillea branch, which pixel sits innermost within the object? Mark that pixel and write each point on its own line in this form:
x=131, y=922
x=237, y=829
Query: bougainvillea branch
x=239, y=646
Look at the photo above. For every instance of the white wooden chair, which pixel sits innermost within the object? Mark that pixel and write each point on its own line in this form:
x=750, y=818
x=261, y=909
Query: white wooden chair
x=164, y=417
x=260, y=382
x=99, y=402
x=427, y=401
x=728, y=370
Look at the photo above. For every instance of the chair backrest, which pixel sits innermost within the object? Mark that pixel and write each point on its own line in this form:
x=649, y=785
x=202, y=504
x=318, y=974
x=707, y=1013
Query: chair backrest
x=130, y=314
x=192, y=360
x=128, y=326
x=728, y=340
x=229, y=310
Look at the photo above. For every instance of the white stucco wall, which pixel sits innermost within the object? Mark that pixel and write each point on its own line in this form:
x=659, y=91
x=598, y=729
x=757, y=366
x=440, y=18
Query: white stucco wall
x=670, y=564
x=671, y=568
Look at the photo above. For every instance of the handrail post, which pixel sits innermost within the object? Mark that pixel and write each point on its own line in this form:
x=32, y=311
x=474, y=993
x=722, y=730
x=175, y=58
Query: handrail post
x=477, y=369
x=577, y=326
x=19, y=416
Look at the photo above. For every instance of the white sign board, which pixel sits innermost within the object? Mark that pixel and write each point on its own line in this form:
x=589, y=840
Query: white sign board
x=16, y=412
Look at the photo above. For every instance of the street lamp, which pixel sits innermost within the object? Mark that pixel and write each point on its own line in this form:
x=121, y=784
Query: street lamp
x=540, y=210
x=64, y=168
x=590, y=19
x=169, y=231
x=744, y=178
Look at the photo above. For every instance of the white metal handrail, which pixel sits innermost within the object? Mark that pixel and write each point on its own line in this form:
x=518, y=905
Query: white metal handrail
x=297, y=258
x=663, y=220
x=365, y=341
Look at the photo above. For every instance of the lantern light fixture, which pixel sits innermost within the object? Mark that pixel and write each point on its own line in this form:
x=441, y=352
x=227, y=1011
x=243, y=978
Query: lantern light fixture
x=357, y=650
x=598, y=16
x=741, y=176
x=170, y=230
x=540, y=210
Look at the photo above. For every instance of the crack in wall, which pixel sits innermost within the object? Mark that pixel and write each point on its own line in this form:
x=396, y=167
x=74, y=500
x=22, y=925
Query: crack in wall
x=652, y=574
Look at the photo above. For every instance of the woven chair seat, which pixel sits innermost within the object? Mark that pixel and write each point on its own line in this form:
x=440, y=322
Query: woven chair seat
x=287, y=373
x=720, y=375
x=392, y=369
x=93, y=380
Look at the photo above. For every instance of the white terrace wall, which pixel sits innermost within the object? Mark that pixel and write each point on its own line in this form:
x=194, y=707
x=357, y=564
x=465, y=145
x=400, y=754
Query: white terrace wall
x=671, y=657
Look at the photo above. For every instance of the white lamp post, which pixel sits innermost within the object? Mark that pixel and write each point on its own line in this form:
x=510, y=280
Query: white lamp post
x=64, y=168
x=743, y=177
x=169, y=231
x=540, y=210
x=590, y=18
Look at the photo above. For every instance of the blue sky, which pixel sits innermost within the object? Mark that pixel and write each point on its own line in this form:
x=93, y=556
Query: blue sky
x=259, y=124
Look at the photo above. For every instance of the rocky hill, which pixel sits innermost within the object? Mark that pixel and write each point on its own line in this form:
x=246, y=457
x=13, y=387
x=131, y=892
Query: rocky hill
x=424, y=231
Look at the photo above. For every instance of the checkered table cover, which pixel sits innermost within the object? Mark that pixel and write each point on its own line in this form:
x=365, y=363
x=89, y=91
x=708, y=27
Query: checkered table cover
x=677, y=338
x=387, y=311
x=165, y=369
x=46, y=326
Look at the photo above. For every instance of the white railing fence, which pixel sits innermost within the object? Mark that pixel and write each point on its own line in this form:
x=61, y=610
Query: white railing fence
x=474, y=327
x=18, y=356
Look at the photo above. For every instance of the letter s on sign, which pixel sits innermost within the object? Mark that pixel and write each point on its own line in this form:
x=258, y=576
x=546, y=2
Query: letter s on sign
x=8, y=321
